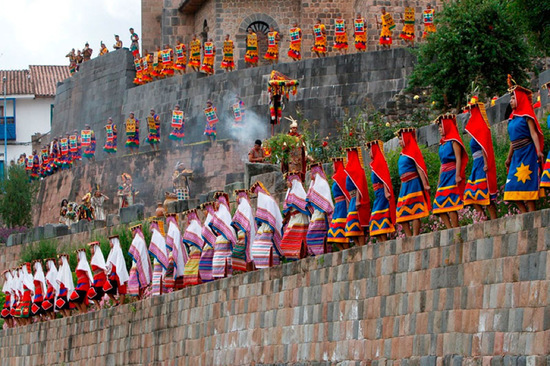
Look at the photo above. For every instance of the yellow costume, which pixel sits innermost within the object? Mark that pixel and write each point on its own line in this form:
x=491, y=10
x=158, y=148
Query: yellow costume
x=360, y=34
x=320, y=35
x=208, y=59
x=251, y=56
x=272, y=46
x=407, y=33
x=387, y=26
x=295, y=44
x=429, y=26
x=341, y=36
x=195, y=53
x=227, y=62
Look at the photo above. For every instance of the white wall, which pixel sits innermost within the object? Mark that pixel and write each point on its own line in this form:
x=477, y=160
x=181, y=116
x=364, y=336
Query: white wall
x=32, y=115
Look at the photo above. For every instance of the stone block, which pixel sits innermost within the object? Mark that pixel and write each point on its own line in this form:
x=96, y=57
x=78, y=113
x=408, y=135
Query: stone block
x=254, y=169
x=231, y=178
x=112, y=220
x=81, y=226
x=171, y=207
x=273, y=181
x=38, y=233
x=230, y=189
x=131, y=213
x=182, y=205
x=48, y=231
x=99, y=224
x=192, y=203
x=60, y=230
x=12, y=240
x=203, y=198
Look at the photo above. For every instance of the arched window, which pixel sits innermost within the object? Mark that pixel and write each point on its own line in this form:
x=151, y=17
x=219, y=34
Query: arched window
x=258, y=27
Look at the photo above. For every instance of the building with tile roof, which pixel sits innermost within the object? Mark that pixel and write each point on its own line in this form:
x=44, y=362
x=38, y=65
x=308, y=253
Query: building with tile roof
x=26, y=105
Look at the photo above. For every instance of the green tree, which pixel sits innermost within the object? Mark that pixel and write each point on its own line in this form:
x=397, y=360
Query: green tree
x=476, y=41
x=533, y=16
x=17, y=198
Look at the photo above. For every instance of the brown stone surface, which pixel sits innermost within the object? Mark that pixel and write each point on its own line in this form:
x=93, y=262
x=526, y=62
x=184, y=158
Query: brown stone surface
x=151, y=173
x=362, y=306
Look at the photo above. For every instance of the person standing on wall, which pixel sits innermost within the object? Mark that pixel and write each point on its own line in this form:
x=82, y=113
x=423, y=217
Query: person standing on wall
x=294, y=50
x=320, y=39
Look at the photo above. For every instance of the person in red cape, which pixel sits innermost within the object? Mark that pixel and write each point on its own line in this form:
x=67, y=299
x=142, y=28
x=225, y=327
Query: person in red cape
x=337, y=230
x=481, y=188
x=414, y=200
x=525, y=155
x=358, y=217
x=452, y=176
x=383, y=215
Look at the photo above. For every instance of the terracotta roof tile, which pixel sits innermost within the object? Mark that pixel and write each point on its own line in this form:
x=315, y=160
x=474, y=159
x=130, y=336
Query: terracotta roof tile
x=40, y=81
x=17, y=82
x=46, y=77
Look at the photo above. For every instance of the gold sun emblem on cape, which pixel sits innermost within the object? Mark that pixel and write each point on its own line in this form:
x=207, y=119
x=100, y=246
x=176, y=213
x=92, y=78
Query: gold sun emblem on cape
x=523, y=173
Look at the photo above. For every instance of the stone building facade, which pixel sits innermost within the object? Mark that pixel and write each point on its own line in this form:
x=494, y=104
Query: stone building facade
x=172, y=20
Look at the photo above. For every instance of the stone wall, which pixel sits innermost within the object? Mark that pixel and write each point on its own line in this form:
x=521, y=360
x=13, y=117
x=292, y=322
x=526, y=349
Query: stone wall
x=330, y=90
x=213, y=166
x=234, y=16
x=477, y=295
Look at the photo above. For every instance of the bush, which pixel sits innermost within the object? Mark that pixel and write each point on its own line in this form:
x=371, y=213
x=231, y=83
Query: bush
x=5, y=232
x=17, y=198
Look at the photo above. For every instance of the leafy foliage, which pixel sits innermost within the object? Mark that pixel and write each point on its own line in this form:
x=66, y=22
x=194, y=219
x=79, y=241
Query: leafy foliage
x=533, y=16
x=476, y=41
x=41, y=250
x=17, y=198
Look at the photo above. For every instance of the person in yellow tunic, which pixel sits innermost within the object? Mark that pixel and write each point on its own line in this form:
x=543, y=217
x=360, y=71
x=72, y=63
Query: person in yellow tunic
x=103, y=49
x=428, y=18
x=360, y=33
x=272, y=53
x=320, y=37
x=158, y=67
x=295, y=43
x=388, y=25
x=146, y=67
x=209, y=53
x=137, y=65
x=227, y=62
x=340, y=36
x=132, y=133
x=195, y=53
x=407, y=33
x=118, y=42
x=181, y=58
x=251, y=56
x=167, y=55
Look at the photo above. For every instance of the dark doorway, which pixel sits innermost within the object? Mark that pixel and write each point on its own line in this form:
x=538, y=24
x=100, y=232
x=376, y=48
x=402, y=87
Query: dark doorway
x=261, y=29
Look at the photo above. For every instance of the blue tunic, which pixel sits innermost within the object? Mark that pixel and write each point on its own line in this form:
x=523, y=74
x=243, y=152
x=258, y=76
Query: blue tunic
x=522, y=182
x=380, y=219
x=353, y=225
x=412, y=203
x=448, y=197
x=337, y=230
x=545, y=178
x=477, y=188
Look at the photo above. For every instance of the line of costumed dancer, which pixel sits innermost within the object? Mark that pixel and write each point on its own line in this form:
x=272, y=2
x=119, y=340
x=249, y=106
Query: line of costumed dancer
x=312, y=222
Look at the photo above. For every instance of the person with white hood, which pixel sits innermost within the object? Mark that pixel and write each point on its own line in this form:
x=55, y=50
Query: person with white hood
x=117, y=280
x=178, y=253
x=225, y=239
x=99, y=269
x=266, y=248
x=157, y=249
x=319, y=200
x=39, y=281
x=193, y=239
x=66, y=285
x=25, y=303
x=245, y=225
x=52, y=288
x=84, y=278
x=296, y=212
x=141, y=271
x=8, y=290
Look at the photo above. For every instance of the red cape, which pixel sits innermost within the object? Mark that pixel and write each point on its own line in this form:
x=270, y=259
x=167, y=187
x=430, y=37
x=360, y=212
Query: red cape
x=340, y=177
x=380, y=168
x=478, y=127
x=354, y=170
x=452, y=134
x=412, y=151
x=524, y=108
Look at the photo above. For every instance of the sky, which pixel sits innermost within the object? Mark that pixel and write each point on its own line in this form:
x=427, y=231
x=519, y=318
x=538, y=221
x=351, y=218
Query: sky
x=42, y=32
